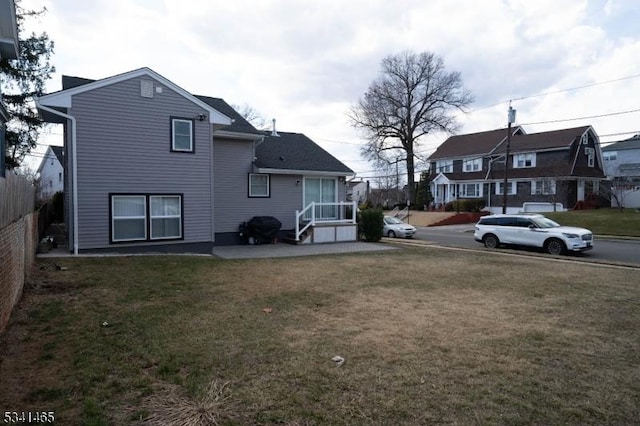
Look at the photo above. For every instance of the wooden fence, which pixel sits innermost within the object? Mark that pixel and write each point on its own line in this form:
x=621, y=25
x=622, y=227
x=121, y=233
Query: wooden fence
x=17, y=198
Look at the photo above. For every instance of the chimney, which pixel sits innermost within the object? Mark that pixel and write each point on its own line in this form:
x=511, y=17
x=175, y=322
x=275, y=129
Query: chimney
x=273, y=132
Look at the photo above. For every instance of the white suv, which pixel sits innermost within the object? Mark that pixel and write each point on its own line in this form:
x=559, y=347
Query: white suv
x=532, y=230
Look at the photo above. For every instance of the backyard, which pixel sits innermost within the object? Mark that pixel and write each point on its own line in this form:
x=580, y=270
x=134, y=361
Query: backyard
x=429, y=336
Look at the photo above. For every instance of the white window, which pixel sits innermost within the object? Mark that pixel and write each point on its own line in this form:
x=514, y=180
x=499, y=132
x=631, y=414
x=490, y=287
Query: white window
x=511, y=188
x=128, y=218
x=472, y=165
x=166, y=216
x=182, y=135
x=610, y=155
x=543, y=187
x=470, y=190
x=444, y=166
x=524, y=160
x=258, y=185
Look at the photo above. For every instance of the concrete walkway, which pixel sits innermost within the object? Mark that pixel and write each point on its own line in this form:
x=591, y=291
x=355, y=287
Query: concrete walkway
x=288, y=250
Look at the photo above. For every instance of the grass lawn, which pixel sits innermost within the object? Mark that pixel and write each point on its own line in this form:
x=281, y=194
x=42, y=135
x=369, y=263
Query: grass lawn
x=428, y=336
x=602, y=221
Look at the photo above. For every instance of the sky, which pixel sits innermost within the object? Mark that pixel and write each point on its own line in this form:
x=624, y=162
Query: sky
x=561, y=63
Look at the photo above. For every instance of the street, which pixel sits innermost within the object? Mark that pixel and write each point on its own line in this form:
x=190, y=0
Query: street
x=610, y=250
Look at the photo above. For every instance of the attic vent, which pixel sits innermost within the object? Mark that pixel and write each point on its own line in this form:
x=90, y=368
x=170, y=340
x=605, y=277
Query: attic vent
x=146, y=88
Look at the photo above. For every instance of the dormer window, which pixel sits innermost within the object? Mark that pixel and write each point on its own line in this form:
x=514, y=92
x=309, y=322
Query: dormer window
x=182, y=135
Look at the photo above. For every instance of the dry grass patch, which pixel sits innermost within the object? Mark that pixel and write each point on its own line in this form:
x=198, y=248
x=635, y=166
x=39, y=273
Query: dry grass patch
x=429, y=337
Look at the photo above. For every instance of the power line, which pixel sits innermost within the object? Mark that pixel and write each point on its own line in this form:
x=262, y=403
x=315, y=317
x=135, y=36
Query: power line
x=555, y=92
x=582, y=118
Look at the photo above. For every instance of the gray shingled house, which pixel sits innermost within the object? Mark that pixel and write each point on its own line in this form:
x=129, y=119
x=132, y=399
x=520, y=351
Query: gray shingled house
x=152, y=167
x=622, y=167
x=561, y=168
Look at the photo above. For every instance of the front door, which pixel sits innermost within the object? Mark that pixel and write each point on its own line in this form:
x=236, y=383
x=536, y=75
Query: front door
x=321, y=190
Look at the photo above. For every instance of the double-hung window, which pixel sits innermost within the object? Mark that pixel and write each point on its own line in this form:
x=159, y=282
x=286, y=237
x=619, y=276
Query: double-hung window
x=524, y=160
x=470, y=190
x=166, y=216
x=258, y=185
x=472, y=165
x=444, y=166
x=128, y=217
x=543, y=187
x=182, y=135
x=610, y=155
x=146, y=217
x=511, y=188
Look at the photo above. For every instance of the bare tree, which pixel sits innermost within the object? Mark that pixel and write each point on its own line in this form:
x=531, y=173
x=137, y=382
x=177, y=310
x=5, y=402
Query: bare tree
x=252, y=115
x=618, y=189
x=413, y=96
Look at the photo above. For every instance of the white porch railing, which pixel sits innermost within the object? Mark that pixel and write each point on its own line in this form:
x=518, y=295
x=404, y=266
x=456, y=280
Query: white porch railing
x=342, y=214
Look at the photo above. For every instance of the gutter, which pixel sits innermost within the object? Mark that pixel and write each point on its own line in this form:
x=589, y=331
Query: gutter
x=74, y=164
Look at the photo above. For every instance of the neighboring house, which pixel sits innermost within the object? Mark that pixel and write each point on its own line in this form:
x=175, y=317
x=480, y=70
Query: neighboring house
x=622, y=167
x=550, y=170
x=357, y=190
x=8, y=50
x=152, y=167
x=51, y=172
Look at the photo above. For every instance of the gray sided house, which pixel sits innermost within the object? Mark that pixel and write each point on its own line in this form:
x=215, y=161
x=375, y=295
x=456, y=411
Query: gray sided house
x=560, y=169
x=151, y=167
x=622, y=167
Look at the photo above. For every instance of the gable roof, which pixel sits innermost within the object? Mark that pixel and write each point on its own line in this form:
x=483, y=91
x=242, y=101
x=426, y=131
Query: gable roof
x=631, y=143
x=544, y=141
x=295, y=153
x=62, y=98
x=472, y=144
x=494, y=142
x=58, y=152
x=239, y=123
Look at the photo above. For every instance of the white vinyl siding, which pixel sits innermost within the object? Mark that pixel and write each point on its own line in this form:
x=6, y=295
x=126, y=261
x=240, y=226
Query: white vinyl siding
x=182, y=135
x=524, y=160
x=166, y=216
x=128, y=218
x=258, y=185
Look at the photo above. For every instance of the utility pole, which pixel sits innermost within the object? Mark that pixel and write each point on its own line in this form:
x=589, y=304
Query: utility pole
x=511, y=119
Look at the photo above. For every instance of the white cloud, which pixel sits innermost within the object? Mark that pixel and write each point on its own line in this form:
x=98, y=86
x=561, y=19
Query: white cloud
x=305, y=63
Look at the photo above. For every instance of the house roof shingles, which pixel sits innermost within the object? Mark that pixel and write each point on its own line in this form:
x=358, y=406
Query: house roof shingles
x=295, y=151
x=59, y=153
x=483, y=143
x=631, y=143
x=239, y=125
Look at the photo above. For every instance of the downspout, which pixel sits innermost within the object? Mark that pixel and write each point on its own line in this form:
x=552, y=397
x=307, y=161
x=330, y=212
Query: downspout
x=74, y=163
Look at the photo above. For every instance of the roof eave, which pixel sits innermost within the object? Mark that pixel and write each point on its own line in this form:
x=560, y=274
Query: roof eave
x=268, y=170
x=237, y=135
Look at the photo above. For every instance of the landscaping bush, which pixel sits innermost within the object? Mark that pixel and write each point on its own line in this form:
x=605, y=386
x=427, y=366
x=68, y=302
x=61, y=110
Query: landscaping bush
x=370, y=224
x=473, y=205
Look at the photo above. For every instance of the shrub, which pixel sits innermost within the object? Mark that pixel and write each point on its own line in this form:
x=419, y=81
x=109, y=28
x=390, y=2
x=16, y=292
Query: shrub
x=371, y=224
x=473, y=205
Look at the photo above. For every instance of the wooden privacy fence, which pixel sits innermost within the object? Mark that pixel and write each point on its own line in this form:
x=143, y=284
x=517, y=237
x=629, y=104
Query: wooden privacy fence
x=17, y=198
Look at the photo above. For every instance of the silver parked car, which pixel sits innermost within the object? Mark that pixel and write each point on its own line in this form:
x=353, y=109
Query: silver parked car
x=394, y=227
x=534, y=230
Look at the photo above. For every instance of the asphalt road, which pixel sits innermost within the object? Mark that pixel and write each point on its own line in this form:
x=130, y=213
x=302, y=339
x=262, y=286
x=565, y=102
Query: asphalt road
x=605, y=249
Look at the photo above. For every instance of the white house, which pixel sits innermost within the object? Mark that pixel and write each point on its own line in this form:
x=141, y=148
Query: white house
x=51, y=172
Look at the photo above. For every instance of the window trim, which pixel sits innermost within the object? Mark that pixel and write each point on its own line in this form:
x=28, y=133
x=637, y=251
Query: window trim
x=524, y=155
x=147, y=217
x=512, y=184
x=251, y=194
x=474, y=162
x=112, y=219
x=151, y=217
x=444, y=166
x=534, y=187
x=461, y=190
x=172, y=135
